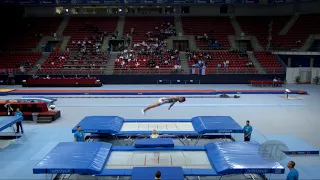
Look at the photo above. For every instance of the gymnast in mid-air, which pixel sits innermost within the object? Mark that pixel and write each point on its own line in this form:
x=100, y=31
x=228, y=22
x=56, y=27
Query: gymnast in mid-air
x=171, y=100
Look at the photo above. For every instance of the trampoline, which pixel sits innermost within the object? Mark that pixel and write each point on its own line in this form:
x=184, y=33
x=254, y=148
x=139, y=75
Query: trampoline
x=47, y=100
x=103, y=159
x=133, y=128
x=9, y=121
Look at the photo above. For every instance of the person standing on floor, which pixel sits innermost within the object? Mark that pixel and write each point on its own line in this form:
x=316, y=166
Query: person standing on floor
x=9, y=109
x=247, y=131
x=293, y=173
x=79, y=135
x=18, y=113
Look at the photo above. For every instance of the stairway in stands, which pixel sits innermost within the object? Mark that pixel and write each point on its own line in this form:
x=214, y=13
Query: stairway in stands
x=184, y=62
x=256, y=63
x=111, y=63
x=43, y=57
x=178, y=25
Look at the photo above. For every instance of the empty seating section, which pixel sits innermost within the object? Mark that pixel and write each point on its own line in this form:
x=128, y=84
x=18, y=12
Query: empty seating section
x=12, y=60
x=305, y=25
x=77, y=31
x=269, y=62
x=142, y=25
x=259, y=27
x=217, y=28
x=31, y=31
x=54, y=60
x=236, y=62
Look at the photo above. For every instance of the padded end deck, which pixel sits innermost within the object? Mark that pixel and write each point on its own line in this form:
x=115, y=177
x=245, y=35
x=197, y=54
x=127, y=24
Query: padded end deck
x=7, y=121
x=148, y=173
x=240, y=158
x=215, y=124
x=100, y=124
x=158, y=142
x=75, y=158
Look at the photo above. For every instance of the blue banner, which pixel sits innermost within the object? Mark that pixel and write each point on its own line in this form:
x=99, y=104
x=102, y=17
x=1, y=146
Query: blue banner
x=97, y=2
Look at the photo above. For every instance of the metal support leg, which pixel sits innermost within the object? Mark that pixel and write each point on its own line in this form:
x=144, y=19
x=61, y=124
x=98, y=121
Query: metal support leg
x=116, y=138
x=198, y=139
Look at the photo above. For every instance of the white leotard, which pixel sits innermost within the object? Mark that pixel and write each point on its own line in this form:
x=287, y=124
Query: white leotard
x=165, y=101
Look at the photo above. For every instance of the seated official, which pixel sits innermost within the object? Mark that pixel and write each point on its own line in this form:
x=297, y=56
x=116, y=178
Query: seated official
x=158, y=175
x=154, y=134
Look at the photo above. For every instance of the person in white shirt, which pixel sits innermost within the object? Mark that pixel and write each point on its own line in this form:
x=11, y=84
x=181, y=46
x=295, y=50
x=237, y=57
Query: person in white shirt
x=154, y=134
x=275, y=80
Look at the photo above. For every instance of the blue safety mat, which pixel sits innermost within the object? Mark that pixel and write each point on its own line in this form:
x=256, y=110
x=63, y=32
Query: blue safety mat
x=157, y=142
x=7, y=121
x=240, y=158
x=216, y=124
x=296, y=146
x=75, y=158
x=201, y=124
x=148, y=173
x=100, y=124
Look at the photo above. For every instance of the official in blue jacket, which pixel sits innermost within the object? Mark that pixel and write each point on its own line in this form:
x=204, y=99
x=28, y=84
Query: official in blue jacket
x=293, y=173
x=247, y=131
x=18, y=113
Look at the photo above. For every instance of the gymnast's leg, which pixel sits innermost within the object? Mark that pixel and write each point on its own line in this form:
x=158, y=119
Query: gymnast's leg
x=150, y=107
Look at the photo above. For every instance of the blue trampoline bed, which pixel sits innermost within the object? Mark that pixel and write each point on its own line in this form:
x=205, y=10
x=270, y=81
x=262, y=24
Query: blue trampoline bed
x=103, y=159
x=187, y=128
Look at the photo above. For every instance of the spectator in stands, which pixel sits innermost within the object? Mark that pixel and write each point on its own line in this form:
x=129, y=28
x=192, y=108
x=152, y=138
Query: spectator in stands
x=225, y=65
x=249, y=64
x=158, y=175
x=22, y=69
x=293, y=173
x=219, y=66
x=247, y=131
x=9, y=109
x=154, y=134
x=79, y=135
x=275, y=80
x=18, y=113
x=177, y=68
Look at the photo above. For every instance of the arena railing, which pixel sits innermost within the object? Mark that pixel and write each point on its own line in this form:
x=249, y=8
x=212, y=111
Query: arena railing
x=136, y=71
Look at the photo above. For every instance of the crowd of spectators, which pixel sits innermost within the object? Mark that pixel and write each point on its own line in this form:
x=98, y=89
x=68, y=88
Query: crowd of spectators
x=153, y=52
x=211, y=41
x=92, y=44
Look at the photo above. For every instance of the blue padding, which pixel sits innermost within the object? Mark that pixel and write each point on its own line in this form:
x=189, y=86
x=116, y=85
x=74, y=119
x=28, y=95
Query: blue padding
x=200, y=172
x=159, y=132
x=100, y=124
x=7, y=121
x=157, y=120
x=240, y=158
x=176, y=148
x=75, y=158
x=215, y=124
x=157, y=142
x=148, y=173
